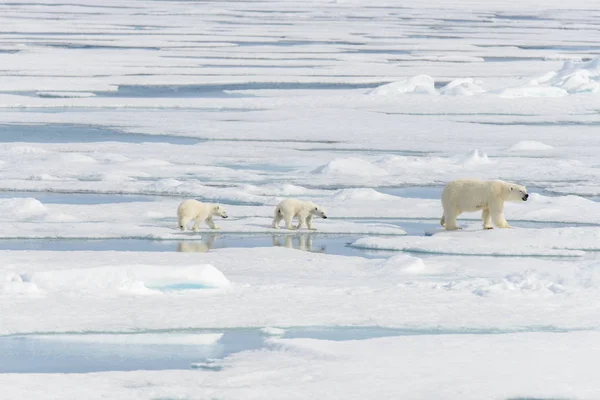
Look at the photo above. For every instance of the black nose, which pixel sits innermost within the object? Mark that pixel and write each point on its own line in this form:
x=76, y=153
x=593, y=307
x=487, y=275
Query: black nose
x=324, y=216
x=224, y=216
x=525, y=197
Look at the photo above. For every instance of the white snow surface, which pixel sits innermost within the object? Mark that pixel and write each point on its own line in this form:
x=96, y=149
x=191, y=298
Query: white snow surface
x=568, y=242
x=375, y=368
x=112, y=113
x=285, y=287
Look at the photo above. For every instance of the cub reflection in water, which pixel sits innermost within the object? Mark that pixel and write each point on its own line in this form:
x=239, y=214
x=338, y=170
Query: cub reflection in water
x=197, y=246
x=295, y=241
x=301, y=242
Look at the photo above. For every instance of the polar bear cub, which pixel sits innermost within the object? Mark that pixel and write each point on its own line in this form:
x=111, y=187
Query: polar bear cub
x=303, y=210
x=469, y=195
x=193, y=210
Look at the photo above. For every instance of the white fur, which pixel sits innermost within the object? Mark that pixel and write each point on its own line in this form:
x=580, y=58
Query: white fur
x=303, y=210
x=193, y=210
x=469, y=195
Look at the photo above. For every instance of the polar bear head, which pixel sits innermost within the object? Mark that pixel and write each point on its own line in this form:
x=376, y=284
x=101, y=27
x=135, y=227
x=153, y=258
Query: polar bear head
x=218, y=210
x=317, y=211
x=514, y=192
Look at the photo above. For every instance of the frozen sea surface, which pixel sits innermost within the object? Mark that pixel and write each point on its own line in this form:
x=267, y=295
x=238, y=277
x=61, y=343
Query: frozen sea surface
x=112, y=114
x=328, y=244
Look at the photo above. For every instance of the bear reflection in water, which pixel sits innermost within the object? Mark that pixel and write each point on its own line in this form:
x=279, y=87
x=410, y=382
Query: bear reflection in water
x=299, y=241
x=197, y=246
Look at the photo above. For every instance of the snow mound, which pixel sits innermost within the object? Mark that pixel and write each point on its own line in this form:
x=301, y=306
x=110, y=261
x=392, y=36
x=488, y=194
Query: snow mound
x=13, y=284
x=574, y=77
x=462, y=87
x=361, y=194
x=529, y=145
x=133, y=279
x=475, y=158
x=350, y=167
x=404, y=263
x=271, y=331
x=417, y=84
x=22, y=208
x=425, y=84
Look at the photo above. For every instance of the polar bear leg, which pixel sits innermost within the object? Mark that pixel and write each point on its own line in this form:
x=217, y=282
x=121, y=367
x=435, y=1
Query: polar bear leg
x=197, y=222
x=450, y=220
x=183, y=223
x=288, y=221
x=443, y=221
x=486, y=216
x=302, y=220
x=276, y=220
x=309, y=223
x=209, y=221
x=497, y=211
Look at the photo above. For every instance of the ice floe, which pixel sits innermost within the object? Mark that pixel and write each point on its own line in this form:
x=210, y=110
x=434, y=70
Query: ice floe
x=551, y=242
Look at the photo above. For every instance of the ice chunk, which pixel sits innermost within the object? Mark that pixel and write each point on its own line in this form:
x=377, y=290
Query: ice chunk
x=12, y=283
x=404, y=263
x=417, y=84
x=574, y=77
x=462, y=87
x=271, y=331
x=350, y=166
x=362, y=194
x=476, y=158
x=22, y=208
x=530, y=145
x=565, y=242
x=136, y=279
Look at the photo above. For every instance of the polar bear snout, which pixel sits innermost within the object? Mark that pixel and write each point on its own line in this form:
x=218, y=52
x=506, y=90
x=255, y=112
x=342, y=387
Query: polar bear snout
x=525, y=197
x=318, y=211
x=220, y=211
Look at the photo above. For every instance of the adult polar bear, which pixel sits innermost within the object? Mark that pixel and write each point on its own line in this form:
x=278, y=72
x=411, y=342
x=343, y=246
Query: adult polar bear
x=303, y=210
x=470, y=195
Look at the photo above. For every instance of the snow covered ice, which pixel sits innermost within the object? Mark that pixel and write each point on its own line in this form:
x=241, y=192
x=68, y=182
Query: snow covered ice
x=112, y=113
